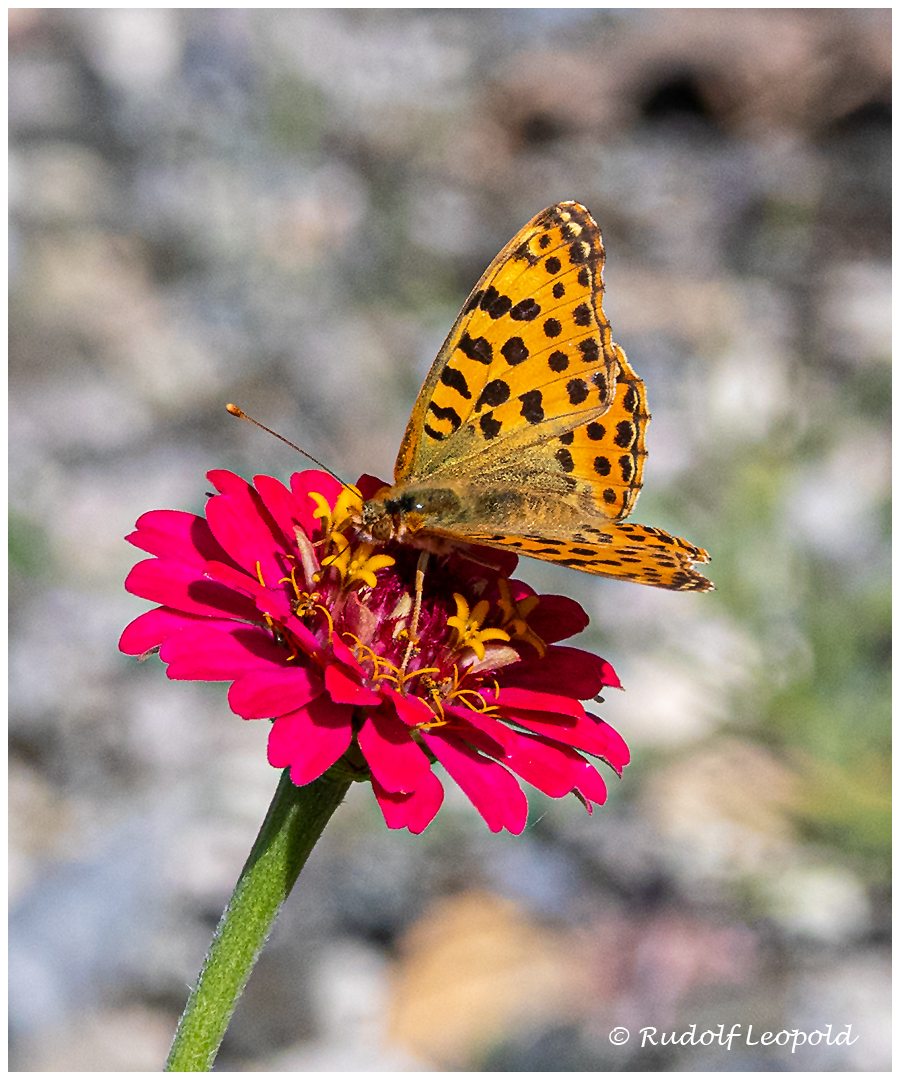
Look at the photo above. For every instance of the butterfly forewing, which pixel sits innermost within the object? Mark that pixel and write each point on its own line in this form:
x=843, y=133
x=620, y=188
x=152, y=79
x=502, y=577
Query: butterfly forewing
x=529, y=358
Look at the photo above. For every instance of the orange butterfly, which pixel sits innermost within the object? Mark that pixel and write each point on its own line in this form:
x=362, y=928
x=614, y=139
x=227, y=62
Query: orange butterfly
x=529, y=430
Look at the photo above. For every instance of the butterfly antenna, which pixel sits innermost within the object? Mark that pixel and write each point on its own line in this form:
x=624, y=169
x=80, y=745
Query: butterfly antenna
x=235, y=411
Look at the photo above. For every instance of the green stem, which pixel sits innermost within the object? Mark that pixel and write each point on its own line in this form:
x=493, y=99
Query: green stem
x=292, y=826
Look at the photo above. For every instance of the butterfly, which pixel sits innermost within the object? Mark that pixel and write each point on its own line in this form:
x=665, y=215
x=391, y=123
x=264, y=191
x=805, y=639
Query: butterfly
x=529, y=432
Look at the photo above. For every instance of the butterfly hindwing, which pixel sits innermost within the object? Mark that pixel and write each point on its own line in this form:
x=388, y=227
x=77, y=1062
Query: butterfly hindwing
x=627, y=551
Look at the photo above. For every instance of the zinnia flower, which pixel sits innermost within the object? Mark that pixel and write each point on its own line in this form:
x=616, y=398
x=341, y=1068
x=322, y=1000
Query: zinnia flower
x=274, y=592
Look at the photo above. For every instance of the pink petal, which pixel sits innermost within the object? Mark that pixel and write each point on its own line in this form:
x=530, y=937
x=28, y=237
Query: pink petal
x=415, y=810
x=328, y=487
x=342, y=688
x=282, y=505
x=411, y=710
x=491, y=789
x=511, y=697
x=227, y=482
x=270, y=690
x=557, y=617
x=176, y=585
x=240, y=581
x=589, y=784
x=397, y=762
x=204, y=651
x=244, y=528
x=153, y=627
x=582, y=732
x=581, y=673
x=311, y=739
x=370, y=485
x=548, y=768
x=344, y=654
x=177, y=535
x=616, y=751
x=480, y=736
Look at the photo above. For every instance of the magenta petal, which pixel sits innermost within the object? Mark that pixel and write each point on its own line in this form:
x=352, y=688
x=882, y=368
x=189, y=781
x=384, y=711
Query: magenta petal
x=616, y=750
x=608, y=674
x=370, y=485
x=271, y=690
x=511, y=697
x=411, y=710
x=491, y=789
x=311, y=739
x=344, y=689
x=238, y=580
x=175, y=534
x=177, y=585
x=282, y=505
x=250, y=540
x=413, y=811
x=226, y=482
x=344, y=654
x=204, y=651
x=589, y=783
x=581, y=673
x=549, y=768
x=556, y=618
x=302, y=484
x=153, y=627
x=486, y=736
x=584, y=733
x=394, y=759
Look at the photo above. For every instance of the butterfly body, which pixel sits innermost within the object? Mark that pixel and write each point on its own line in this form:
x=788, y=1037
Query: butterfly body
x=529, y=430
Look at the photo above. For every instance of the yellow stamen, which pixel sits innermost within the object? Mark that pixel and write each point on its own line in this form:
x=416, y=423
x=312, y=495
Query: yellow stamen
x=466, y=624
x=515, y=615
x=420, y=671
x=358, y=565
x=347, y=508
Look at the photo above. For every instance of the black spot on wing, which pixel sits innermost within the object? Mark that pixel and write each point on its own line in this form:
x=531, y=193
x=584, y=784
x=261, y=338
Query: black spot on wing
x=490, y=426
x=496, y=392
x=494, y=303
x=450, y=415
x=625, y=434
x=526, y=310
x=583, y=315
x=479, y=348
x=565, y=460
x=455, y=379
x=514, y=351
x=532, y=408
x=590, y=350
x=577, y=391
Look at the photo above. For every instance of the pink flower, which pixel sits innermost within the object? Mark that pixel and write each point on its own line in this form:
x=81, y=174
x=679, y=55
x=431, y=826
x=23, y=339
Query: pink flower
x=274, y=592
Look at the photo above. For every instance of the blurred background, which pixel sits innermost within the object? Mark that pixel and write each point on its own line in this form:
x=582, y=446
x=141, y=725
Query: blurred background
x=286, y=209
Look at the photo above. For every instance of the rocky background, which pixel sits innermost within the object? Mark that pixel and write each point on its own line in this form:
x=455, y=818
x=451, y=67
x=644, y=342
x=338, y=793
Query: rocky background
x=286, y=209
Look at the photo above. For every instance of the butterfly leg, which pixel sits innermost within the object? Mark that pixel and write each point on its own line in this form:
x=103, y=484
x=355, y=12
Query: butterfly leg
x=416, y=611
